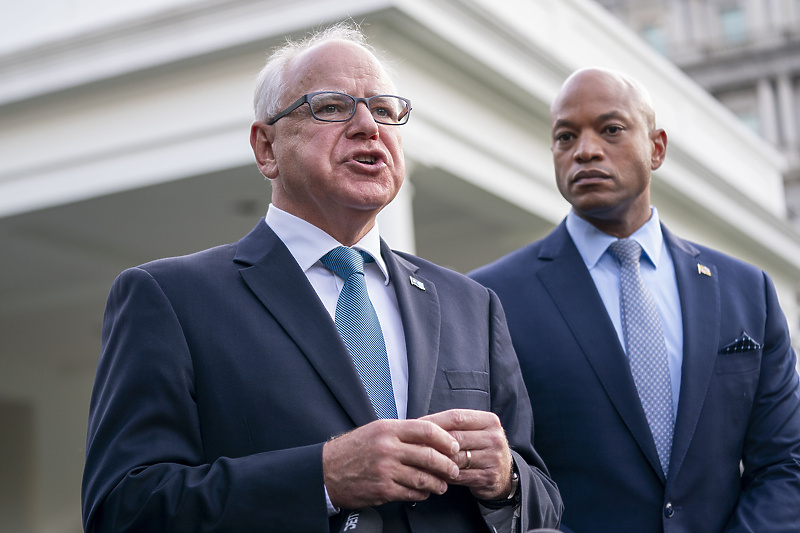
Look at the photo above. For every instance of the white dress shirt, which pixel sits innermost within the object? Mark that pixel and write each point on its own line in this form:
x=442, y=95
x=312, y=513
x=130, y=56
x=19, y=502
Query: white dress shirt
x=307, y=244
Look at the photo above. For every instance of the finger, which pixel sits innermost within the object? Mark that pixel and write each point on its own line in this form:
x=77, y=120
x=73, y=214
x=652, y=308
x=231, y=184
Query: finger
x=421, y=483
x=488, y=476
x=428, y=460
x=426, y=433
x=463, y=459
x=480, y=440
x=475, y=460
x=424, y=470
x=477, y=430
x=463, y=420
x=487, y=449
x=371, y=465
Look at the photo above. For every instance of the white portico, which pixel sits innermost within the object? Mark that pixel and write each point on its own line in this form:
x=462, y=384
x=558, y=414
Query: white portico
x=124, y=137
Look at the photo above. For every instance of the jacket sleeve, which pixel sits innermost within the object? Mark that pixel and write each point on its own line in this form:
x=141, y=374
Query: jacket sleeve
x=145, y=464
x=770, y=498
x=540, y=504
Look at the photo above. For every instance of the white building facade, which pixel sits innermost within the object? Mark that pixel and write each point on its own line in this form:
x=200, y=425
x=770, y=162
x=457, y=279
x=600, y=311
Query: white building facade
x=744, y=52
x=124, y=137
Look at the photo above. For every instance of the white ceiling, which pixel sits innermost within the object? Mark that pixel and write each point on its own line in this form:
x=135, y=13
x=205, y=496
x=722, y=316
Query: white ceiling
x=58, y=263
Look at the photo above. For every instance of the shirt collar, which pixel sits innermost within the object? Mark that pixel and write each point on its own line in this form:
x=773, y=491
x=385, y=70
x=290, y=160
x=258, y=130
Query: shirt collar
x=308, y=243
x=593, y=243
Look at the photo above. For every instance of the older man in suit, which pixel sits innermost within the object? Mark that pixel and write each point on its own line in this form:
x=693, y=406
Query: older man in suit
x=273, y=384
x=664, y=389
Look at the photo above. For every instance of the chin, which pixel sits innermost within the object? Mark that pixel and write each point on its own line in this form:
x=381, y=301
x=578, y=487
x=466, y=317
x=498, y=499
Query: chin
x=371, y=199
x=589, y=206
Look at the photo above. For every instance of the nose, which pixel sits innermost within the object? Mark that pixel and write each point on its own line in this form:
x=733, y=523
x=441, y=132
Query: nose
x=362, y=122
x=587, y=148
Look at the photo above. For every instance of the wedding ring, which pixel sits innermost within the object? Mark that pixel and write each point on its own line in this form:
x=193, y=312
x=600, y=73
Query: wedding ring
x=469, y=460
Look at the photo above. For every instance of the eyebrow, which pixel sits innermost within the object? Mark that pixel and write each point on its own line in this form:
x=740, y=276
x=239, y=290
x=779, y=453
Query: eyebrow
x=612, y=114
x=603, y=117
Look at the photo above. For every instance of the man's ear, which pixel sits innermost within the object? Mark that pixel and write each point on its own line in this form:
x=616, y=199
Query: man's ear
x=659, y=139
x=261, y=137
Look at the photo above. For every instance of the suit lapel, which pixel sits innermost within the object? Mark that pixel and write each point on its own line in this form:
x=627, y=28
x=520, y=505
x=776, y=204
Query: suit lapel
x=700, y=309
x=421, y=316
x=573, y=291
x=273, y=275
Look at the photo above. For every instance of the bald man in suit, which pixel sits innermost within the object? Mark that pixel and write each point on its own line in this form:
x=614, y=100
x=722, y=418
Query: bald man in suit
x=730, y=458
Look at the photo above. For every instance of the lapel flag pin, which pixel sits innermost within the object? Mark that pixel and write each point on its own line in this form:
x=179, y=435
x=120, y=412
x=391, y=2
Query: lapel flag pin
x=417, y=283
x=704, y=270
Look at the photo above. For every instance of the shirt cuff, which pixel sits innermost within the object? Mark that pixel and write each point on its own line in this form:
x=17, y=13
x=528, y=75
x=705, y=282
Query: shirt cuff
x=502, y=520
x=332, y=509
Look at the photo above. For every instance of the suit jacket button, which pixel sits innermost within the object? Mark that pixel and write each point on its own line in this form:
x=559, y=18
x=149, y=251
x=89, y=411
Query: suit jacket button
x=412, y=504
x=669, y=510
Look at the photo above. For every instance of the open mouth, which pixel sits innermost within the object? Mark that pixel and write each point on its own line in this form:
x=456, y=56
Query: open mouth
x=366, y=159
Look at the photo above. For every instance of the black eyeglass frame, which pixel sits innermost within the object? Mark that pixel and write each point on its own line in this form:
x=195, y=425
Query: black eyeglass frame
x=306, y=99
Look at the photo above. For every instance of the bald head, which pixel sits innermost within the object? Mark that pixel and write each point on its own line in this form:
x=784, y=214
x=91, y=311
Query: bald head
x=589, y=79
x=605, y=145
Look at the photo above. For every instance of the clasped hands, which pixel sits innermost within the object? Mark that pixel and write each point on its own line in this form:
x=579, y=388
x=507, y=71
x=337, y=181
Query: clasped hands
x=408, y=460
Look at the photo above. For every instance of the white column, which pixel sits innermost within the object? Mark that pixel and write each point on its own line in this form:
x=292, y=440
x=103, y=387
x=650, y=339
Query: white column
x=767, y=111
x=781, y=17
x=786, y=110
x=396, y=221
x=709, y=24
x=701, y=29
x=791, y=16
x=757, y=14
x=678, y=20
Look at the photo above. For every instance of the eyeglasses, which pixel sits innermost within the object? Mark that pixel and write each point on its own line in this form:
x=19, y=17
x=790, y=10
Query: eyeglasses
x=330, y=106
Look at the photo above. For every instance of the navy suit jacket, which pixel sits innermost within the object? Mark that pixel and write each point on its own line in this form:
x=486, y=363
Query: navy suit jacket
x=222, y=375
x=734, y=408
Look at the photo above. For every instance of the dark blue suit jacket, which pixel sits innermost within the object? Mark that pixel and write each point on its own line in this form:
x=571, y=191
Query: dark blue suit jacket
x=591, y=429
x=222, y=375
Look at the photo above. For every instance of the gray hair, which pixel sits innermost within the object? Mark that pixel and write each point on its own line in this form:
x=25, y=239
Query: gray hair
x=270, y=83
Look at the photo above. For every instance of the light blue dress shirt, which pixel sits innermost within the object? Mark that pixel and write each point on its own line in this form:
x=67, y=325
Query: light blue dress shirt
x=658, y=273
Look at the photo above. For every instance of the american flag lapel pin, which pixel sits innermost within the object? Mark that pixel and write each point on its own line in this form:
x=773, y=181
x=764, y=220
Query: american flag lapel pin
x=417, y=283
x=704, y=270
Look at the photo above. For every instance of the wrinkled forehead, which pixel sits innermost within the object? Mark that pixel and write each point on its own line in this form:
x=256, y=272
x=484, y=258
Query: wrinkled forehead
x=336, y=62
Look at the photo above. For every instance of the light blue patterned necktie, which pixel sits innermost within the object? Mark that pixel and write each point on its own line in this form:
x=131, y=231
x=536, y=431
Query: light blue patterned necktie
x=360, y=329
x=646, y=347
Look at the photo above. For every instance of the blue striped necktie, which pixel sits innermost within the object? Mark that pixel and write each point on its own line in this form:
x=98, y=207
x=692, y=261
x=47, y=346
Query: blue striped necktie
x=646, y=347
x=360, y=329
